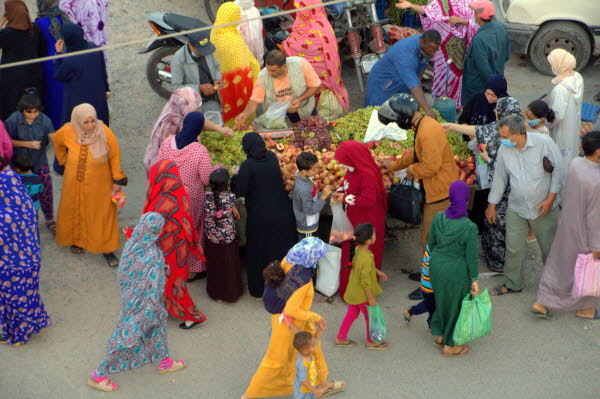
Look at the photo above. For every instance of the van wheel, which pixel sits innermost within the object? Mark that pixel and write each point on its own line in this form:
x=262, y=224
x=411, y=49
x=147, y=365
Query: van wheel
x=566, y=35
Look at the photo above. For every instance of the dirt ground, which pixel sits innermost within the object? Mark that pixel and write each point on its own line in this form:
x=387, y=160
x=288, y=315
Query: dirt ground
x=524, y=358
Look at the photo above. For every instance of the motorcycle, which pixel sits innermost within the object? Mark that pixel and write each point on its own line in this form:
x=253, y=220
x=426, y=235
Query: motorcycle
x=158, y=67
x=276, y=29
x=356, y=21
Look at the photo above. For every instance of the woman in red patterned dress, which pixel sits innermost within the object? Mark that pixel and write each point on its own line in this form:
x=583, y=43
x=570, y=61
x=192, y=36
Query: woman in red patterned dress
x=178, y=241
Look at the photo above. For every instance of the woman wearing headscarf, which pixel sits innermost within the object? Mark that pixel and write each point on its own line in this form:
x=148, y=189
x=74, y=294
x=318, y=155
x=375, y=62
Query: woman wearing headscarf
x=291, y=281
x=50, y=19
x=238, y=66
x=565, y=99
x=182, y=101
x=140, y=336
x=313, y=39
x=178, y=241
x=194, y=164
x=271, y=225
x=453, y=263
x=87, y=217
x=365, y=198
x=20, y=40
x=492, y=235
x=455, y=22
x=251, y=28
x=22, y=312
x=481, y=109
x=84, y=76
x=89, y=14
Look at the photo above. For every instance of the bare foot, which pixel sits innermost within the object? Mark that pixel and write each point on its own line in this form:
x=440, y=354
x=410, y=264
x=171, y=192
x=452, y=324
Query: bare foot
x=538, y=307
x=438, y=340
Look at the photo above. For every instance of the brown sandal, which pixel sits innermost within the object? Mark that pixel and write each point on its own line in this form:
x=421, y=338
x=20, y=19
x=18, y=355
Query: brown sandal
x=463, y=351
x=76, y=250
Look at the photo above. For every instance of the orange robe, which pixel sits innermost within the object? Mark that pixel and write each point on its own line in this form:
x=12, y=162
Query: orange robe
x=87, y=217
x=277, y=371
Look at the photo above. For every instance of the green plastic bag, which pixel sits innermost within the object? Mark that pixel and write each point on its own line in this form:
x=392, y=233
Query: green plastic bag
x=475, y=319
x=377, y=327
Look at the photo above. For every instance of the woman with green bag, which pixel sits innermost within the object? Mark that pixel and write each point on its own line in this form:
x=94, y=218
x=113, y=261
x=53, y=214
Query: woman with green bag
x=453, y=266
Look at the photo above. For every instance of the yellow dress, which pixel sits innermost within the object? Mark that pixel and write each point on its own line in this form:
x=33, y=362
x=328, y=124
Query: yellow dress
x=87, y=217
x=277, y=371
x=238, y=66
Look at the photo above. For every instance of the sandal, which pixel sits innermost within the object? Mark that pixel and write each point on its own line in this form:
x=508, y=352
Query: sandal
x=538, y=314
x=596, y=316
x=439, y=342
x=337, y=387
x=170, y=366
x=463, y=351
x=498, y=291
x=408, y=318
x=51, y=225
x=77, y=250
x=102, y=383
x=111, y=259
x=347, y=342
x=379, y=346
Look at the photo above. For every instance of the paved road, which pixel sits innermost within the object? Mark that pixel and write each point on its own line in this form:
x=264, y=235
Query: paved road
x=524, y=358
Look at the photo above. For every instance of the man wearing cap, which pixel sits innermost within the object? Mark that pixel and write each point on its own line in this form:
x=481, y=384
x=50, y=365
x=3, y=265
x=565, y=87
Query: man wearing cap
x=195, y=65
x=488, y=52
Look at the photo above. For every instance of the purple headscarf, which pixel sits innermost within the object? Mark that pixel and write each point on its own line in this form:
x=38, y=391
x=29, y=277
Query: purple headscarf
x=459, y=198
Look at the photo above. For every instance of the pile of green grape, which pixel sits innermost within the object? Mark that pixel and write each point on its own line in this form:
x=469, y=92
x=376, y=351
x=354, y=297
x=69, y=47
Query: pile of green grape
x=224, y=150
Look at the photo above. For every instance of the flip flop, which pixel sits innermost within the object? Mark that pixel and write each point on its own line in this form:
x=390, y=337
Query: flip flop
x=337, y=387
x=348, y=342
x=75, y=250
x=407, y=318
x=435, y=342
x=379, y=346
x=596, y=316
x=111, y=259
x=51, y=226
x=465, y=349
x=540, y=315
x=498, y=290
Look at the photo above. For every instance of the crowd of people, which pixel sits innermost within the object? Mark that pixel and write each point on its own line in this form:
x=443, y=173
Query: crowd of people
x=544, y=182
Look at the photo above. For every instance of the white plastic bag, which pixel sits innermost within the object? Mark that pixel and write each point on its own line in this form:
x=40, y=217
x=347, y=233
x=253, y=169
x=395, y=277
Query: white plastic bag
x=341, y=228
x=482, y=173
x=328, y=277
x=274, y=117
x=377, y=130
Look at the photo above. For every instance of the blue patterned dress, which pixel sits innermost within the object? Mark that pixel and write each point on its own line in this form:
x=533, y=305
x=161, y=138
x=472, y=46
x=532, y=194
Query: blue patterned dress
x=22, y=311
x=141, y=333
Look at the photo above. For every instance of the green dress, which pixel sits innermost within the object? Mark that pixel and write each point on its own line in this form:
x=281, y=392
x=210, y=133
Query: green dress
x=453, y=265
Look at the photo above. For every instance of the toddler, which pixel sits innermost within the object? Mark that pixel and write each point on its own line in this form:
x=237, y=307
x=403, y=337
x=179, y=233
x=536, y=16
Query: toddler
x=33, y=183
x=363, y=287
x=428, y=302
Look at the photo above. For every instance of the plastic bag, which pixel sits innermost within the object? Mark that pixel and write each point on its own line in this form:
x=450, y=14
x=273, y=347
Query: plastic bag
x=329, y=107
x=119, y=198
x=475, y=318
x=377, y=327
x=328, y=272
x=482, y=173
x=341, y=228
x=377, y=130
x=274, y=117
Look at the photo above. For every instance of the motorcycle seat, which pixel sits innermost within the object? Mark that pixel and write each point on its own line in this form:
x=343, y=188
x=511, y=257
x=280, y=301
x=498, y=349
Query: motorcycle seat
x=181, y=22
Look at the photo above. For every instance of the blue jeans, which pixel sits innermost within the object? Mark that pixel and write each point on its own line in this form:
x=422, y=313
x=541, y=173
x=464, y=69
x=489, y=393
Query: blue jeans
x=426, y=305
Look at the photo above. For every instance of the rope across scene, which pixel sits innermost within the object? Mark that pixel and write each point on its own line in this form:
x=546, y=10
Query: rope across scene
x=145, y=40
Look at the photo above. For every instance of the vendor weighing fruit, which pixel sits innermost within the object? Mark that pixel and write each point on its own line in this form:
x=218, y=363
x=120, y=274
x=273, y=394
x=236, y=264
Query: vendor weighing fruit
x=283, y=79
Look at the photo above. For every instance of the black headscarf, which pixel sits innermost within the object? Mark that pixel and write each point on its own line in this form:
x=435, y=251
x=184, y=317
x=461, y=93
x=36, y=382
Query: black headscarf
x=254, y=146
x=479, y=111
x=193, y=123
x=73, y=36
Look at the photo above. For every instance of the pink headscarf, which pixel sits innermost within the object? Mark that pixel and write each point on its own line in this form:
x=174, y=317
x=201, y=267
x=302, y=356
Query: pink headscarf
x=313, y=39
x=182, y=102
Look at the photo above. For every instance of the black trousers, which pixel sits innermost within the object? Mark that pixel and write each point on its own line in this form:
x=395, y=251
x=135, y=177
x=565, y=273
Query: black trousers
x=426, y=305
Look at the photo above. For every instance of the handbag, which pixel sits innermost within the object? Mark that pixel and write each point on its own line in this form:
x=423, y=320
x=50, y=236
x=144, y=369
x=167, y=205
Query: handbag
x=328, y=272
x=586, y=281
x=475, y=318
x=406, y=202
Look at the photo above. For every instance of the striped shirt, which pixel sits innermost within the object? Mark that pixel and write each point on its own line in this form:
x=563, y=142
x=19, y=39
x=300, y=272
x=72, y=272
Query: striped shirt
x=425, y=279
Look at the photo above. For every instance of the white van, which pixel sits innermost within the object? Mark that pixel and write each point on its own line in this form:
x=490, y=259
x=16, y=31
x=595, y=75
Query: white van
x=536, y=27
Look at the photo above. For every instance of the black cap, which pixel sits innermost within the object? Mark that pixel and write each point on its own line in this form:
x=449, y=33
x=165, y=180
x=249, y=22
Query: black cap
x=201, y=41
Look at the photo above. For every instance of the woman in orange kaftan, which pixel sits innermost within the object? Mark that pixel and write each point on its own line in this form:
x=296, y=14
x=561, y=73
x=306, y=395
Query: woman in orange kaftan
x=87, y=217
x=238, y=66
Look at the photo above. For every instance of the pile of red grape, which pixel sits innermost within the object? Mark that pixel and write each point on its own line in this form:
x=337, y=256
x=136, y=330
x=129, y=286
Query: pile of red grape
x=312, y=132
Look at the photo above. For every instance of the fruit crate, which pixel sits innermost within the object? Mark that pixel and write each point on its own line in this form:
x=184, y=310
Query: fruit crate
x=275, y=133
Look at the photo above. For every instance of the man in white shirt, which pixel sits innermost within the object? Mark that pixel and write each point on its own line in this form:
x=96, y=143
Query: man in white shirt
x=532, y=163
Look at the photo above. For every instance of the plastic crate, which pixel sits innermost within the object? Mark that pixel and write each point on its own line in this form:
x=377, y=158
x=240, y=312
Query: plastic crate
x=589, y=112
